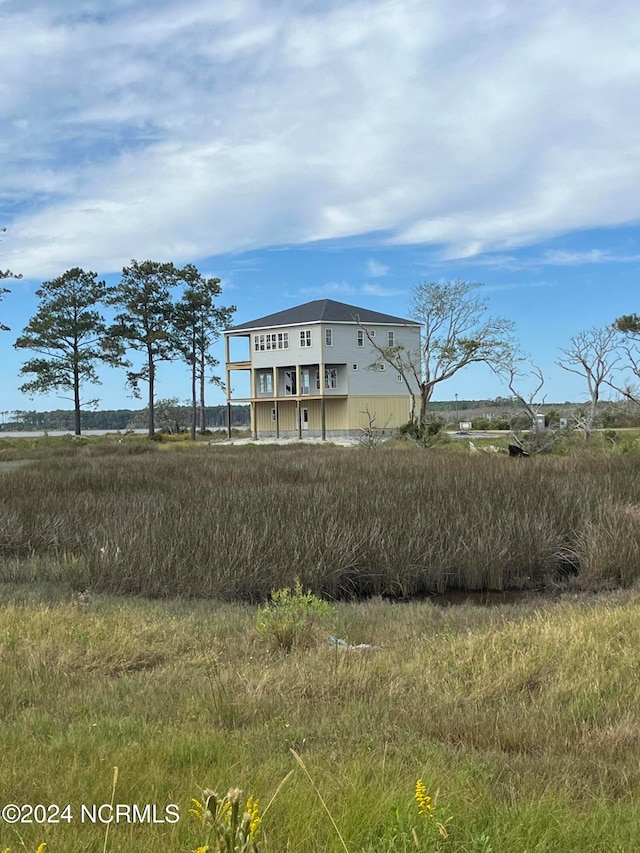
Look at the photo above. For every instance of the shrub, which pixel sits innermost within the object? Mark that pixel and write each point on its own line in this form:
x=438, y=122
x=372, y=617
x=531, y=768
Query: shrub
x=425, y=436
x=481, y=423
x=293, y=617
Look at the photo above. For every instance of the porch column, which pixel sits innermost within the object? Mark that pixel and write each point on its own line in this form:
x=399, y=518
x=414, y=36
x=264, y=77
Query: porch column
x=323, y=417
x=298, y=395
x=228, y=419
x=254, y=407
x=274, y=380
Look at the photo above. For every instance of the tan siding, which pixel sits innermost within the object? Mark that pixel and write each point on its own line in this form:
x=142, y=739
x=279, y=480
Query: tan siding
x=345, y=414
x=336, y=414
x=286, y=416
x=391, y=412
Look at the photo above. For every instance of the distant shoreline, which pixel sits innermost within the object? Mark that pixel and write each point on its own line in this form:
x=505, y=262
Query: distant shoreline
x=60, y=433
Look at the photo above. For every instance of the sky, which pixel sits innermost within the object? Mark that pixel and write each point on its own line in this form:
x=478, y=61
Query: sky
x=343, y=149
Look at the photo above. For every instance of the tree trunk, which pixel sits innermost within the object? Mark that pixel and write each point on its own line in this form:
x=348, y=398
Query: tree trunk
x=593, y=412
x=425, y=397
x=203, y=411
x=412, y=413
x=152, y=420
x=76, y=398
x=194, y=400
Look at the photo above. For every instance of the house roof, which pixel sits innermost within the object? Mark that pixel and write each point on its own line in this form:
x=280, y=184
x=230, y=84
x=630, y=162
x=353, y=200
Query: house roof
x=322, y=311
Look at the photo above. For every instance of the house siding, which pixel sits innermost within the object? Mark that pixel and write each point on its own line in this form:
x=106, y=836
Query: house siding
x=341, y=416
x=358, y=391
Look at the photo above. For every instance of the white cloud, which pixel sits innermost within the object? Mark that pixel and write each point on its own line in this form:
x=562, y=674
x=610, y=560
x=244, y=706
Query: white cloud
x=343, y=288
x=165, y=130
x=375, y=269
x=330, y=289
x=377, y=290
x=550, y=257
x=593, y=256
x=516, y=286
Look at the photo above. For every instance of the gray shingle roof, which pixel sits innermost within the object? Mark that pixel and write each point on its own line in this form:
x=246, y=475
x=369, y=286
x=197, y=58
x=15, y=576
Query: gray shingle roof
x=322, y=310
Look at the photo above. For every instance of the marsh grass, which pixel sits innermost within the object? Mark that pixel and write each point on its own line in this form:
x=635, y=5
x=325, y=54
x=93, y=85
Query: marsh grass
x=235, y=523
x=522, y=717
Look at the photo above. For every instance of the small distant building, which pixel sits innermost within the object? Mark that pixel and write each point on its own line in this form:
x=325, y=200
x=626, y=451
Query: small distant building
x=311, y=372
x=539, y=423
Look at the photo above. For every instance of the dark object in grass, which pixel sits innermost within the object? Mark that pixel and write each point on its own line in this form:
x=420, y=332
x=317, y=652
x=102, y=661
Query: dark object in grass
x=516, y=450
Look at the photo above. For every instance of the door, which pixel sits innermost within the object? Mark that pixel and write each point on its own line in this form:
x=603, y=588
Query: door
x=305, y=418
x=289, y=383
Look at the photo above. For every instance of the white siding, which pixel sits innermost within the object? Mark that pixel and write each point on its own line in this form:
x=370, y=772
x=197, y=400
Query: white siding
x=361, y=384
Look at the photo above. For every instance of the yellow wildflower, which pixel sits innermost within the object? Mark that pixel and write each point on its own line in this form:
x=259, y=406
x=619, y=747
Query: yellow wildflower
x=198, y=809
x=425, y=806
x=41, y=847
x=202, y=849
x=254, y=812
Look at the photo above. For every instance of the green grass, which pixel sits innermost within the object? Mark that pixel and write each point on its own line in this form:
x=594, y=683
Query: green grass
x=522, y=716
x=232, y=523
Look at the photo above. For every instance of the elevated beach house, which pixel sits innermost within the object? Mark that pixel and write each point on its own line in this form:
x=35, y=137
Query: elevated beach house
x=311, y=370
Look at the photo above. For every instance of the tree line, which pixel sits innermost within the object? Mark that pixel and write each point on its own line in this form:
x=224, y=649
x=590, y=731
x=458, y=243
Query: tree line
x=72, y=338
x=168, y=413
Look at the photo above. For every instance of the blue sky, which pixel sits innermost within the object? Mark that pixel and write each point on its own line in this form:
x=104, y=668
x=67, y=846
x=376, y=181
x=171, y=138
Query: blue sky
x=302, y=149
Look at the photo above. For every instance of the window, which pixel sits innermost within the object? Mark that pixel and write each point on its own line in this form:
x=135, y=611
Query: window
x=305, y=338
x=372, y=333
x=265, y=383
x=331, y=377
x=328, y=337
x=354, y=366
x=360, y=338
x=305, y=382
x=271, y=341
x=283, y=340
x=258, y=343
x=290, y=383
x=399, y=377
x=391, y=339
x=274, y=415
x=383, y=366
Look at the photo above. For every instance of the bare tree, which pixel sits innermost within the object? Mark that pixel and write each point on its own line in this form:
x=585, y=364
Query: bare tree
x=372, y=436
x=592, y=355
x=526, y=386
x=528, y=399
x=629, y=328
x=457, y=332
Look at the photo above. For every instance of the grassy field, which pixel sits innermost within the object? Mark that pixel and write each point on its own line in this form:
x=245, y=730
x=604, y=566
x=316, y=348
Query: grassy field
x=233, y=523
x=521, y=718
